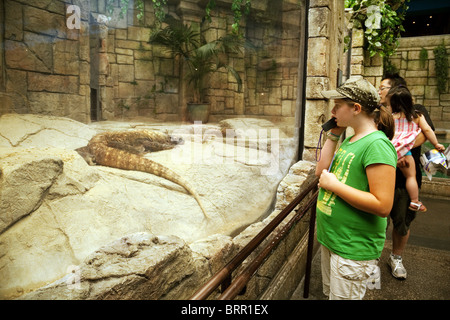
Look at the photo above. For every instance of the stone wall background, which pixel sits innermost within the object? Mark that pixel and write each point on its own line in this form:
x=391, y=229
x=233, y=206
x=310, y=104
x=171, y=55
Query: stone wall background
x=154, y=89
x=51, y=69
x=421, y=78
x=361, y=64
x=46, y=66
x=325, y=57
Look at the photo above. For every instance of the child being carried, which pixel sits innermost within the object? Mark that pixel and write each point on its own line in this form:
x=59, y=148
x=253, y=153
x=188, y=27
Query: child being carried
x=408, y=124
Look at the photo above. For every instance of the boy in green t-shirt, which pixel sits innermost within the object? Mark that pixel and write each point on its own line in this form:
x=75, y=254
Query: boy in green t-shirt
x=357, y=187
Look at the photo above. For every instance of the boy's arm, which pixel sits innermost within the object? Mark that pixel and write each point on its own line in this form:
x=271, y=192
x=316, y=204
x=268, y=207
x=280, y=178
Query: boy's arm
x=377, y=201
x=327, y=152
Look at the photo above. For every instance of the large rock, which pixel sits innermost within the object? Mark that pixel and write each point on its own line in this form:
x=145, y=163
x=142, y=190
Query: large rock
x=56, y=210
x=292, y=183
x=138, y=266
x=37, y=131
x=26, y=177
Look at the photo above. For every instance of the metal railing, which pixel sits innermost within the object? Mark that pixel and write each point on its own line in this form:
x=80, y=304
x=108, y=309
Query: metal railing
x=230, y=289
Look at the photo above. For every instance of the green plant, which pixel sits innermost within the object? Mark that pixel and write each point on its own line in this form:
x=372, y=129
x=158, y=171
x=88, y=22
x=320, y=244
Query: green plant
x=236, y=7
x=388, y=67
x=123, y=105
x=423, y=57
x=381, y=21
x=123, y=4
x=158, y=6
x=201, y=58
x=441, y=67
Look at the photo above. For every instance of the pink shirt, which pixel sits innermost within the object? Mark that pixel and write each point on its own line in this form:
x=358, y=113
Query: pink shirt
x=405, y=135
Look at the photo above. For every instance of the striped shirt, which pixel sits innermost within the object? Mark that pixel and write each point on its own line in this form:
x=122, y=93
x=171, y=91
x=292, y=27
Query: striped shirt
x=405, y=135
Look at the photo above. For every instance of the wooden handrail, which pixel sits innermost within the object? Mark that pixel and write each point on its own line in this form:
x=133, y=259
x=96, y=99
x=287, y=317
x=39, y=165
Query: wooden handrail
x=223, y=276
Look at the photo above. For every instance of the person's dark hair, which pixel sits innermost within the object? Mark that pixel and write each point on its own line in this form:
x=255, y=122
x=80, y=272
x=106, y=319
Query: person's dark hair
x=394, y=79
x=400, y=100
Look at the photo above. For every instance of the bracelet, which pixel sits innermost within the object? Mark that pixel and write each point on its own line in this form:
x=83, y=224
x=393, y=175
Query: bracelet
x=333, y=137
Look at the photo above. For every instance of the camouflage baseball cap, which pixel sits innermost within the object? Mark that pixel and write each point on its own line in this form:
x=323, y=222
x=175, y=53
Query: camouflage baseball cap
x=358, y=90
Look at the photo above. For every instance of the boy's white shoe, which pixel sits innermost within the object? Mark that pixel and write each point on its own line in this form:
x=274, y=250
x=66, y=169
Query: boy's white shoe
x=397, y=268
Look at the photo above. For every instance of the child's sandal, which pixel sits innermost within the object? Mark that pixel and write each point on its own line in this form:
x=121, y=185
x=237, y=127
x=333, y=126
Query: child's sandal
x=417, y=206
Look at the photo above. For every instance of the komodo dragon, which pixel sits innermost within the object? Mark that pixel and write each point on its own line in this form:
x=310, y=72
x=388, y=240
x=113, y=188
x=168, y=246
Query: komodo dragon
x=123, y=149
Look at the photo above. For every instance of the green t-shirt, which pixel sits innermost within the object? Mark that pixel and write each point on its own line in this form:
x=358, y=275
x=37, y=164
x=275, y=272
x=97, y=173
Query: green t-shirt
x=343, y=229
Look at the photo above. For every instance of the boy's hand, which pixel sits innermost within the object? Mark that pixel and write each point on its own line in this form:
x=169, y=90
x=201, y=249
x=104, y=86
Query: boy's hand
x=327, y=180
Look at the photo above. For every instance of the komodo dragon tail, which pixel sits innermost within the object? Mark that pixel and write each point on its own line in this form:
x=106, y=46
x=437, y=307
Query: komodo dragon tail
x=116, y=158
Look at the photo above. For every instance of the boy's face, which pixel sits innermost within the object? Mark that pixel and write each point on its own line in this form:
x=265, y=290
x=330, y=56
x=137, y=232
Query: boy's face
x=385, y=85
x=343, y=112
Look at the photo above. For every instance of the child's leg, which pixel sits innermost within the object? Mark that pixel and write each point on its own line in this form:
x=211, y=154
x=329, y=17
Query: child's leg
x=409, y=172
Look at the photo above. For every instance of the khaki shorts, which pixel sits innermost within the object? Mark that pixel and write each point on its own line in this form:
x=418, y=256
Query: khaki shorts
x=345, y=279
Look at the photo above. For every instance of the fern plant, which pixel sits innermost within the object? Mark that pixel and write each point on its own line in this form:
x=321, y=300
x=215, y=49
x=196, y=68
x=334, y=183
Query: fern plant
x=202, y=59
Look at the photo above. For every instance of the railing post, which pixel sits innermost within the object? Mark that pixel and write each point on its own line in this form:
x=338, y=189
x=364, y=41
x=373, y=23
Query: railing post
x=223, y=277
x=309, y=257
